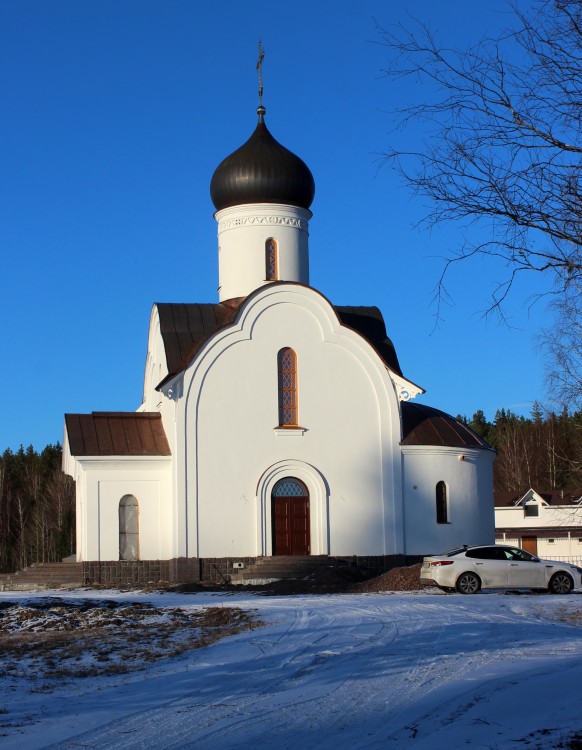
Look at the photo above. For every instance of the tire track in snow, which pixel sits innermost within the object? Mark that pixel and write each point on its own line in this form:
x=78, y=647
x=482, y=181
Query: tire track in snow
x=290, y=665
x=367, y=671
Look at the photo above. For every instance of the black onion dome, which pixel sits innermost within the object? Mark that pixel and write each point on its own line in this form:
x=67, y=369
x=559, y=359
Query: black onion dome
x=262, y=171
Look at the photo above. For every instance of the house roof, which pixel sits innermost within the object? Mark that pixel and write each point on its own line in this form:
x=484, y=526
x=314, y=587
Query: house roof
x=423, y=425
x=543, y=532
x=104, y=433
x=185, y=327
x=551, y=497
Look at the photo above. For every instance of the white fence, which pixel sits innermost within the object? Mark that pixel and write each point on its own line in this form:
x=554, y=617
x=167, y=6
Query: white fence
x=573, y=559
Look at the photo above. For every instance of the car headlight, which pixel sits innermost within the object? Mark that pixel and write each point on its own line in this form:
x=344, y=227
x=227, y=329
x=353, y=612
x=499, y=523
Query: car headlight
x=576, y=568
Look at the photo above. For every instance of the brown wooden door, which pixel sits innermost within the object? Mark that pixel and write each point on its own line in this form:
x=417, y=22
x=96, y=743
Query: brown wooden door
x=530, y=544
x=290, y=512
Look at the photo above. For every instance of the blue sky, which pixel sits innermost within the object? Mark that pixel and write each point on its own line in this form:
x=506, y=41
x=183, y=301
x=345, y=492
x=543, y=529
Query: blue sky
x=115, y=114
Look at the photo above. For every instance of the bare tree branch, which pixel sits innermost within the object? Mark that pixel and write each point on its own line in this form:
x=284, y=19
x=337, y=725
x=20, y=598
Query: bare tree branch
x=506, y=143
x=563, y=343
x=503, y=145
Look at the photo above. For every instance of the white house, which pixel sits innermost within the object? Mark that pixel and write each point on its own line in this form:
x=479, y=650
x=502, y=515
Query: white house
x=545, y=523
x=273, y=423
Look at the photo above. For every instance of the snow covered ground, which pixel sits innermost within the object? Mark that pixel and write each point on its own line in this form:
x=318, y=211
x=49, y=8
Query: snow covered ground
x=414, y=670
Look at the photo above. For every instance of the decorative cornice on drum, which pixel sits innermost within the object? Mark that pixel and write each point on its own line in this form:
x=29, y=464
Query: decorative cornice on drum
x=288, y=221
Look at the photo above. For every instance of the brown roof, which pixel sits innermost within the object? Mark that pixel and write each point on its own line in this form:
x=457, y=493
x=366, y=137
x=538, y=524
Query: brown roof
x=423, y=425
x=369, y=323
x=105, y=433
x=185, y=327
x=552, y=497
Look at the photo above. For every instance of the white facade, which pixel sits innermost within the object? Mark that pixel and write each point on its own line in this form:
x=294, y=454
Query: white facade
x=242, y=234
x=343, y=448
x=468, y=476
x=205, y=483
x=101, y=483
x=368, y=494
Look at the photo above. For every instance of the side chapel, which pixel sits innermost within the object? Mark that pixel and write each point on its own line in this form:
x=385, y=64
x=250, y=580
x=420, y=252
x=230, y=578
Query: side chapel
x=273, y=422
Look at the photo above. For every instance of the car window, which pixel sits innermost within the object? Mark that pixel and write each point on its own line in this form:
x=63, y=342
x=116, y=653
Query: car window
x=453, y=552
x=490, y=553
x=483, y=553
x=519, y=554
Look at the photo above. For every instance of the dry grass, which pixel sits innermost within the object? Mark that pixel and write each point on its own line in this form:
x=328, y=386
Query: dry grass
x=51, y=639
x=570, y=616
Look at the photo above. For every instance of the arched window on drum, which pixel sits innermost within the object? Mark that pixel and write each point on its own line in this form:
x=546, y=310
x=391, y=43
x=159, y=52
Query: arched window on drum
x=271, y=260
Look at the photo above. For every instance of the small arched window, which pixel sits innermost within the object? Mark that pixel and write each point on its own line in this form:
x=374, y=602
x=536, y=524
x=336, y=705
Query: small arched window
x=442, y=515
x=128, y=528
x=287, y=375
x=271, y=260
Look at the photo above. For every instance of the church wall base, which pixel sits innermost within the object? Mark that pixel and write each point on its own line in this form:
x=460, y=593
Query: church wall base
x=220, y=569
x=141, y=572
x=213, y=570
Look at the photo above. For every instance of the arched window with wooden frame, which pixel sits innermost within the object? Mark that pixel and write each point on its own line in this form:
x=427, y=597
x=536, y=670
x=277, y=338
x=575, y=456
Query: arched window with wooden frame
x=271, y=260
x=287, y=377
x=442, y=513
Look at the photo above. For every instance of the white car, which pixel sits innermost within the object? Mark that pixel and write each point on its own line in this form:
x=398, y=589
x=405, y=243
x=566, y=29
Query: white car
x=468, y=569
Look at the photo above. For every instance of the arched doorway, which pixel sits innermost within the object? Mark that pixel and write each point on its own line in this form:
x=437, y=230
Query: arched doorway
x=128, y=528
x=290, y=517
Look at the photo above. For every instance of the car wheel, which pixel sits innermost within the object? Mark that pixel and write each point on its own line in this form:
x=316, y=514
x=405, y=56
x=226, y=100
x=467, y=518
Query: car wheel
x=561, y=583
x=468, y=583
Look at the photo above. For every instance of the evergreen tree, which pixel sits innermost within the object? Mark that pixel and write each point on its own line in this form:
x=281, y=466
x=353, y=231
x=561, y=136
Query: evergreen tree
x=37, y=508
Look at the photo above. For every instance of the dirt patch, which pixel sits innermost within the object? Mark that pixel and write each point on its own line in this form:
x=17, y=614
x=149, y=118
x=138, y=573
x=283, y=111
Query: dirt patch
x=324, y=580
x=397, y=579
x=48, y=639
x=348, y=579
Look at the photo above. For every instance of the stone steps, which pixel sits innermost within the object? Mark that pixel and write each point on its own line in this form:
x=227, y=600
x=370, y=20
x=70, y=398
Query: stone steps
x=282, y=568
x=43, y=576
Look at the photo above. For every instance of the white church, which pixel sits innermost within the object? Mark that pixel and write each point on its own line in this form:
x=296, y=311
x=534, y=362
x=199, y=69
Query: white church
x=273, y=422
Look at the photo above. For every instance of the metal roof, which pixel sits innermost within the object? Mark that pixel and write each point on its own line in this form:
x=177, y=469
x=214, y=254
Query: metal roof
x=369, y=323
x=185, y=327
x=423, y=425
x=105, y=433
x=262, y=171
